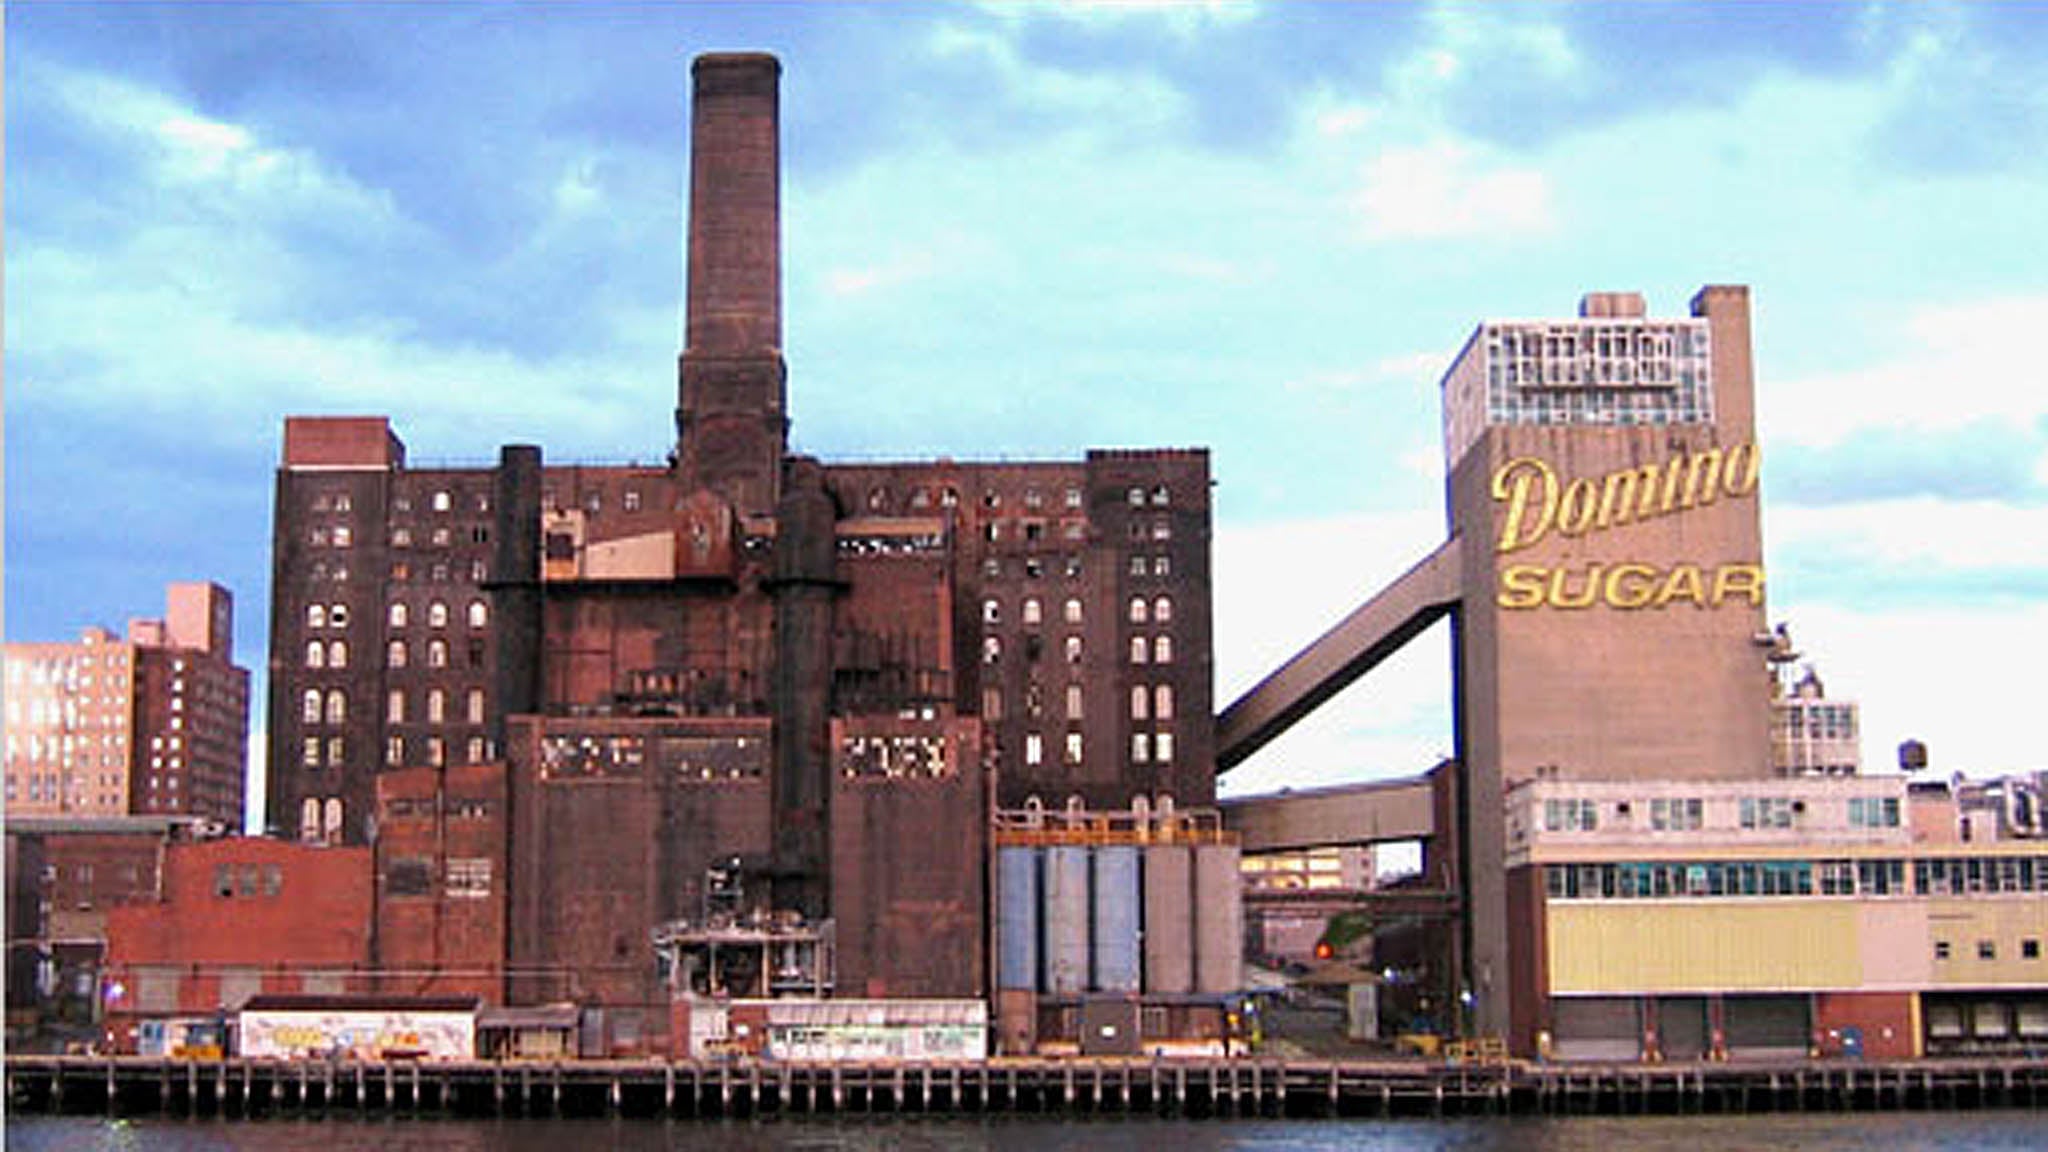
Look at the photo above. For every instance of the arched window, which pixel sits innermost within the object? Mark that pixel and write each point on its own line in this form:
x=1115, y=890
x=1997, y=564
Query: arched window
x=395, y=654
x=1073, y=611
x=991, y=612
x=1137, y=609
x=394, y=706
x=316, y=616
x=1162, y=650
x=437, y=752
x=1137, y=649
x=1032, y=611
x=337, y=707
x=479, y=614
x=309, y=819
x=1162, y=702
x=476, y=705
x=316, y=654
x=1074, y=701
x=332, y=822
x=437, y=706
x=309, y=706
x=337, y=654
x=437, y=653
x=476, y=749
x=1162, y=610
x=1073, y=649
x=437, y=615
x=397, y=614
x=991, y=649
x=1139, y=699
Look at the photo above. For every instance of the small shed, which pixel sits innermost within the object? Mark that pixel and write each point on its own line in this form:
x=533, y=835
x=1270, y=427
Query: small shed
x=545, y=1032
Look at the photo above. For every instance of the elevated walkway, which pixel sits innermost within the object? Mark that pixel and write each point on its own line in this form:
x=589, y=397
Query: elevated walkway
x=1374, y=631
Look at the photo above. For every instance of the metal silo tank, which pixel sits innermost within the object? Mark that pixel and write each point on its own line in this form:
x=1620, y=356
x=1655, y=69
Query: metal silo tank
x=1219, y=919
x=1169, y=920
x=1017, y=923
x=1117, y=901
x=1066, y=921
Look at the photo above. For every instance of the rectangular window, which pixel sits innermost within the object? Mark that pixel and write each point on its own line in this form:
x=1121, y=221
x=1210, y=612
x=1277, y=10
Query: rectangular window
x=1034, y=748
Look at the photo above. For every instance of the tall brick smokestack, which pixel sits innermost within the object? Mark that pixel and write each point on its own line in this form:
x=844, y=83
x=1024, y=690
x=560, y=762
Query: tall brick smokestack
x=731, y=427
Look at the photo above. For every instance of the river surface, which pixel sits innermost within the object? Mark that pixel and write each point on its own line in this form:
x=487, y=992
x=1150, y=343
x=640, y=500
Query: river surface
x=1893, y=1132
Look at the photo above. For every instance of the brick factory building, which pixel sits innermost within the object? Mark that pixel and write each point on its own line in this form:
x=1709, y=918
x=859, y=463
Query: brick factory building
x=558, y=697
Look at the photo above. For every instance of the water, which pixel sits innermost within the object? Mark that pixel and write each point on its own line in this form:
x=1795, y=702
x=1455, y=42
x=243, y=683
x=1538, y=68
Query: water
x=1894, y=1132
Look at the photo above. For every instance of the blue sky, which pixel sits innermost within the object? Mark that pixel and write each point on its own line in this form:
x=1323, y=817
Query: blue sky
x=1261, y=228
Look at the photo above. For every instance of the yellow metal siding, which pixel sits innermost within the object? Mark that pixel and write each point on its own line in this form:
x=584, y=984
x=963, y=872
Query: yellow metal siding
x=2002, y=921
x=1622, y=947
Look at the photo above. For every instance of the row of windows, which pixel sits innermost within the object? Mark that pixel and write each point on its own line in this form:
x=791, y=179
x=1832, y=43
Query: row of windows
x=401, y=572
x=478, y=614
x=434, y=750
x=1687, y=813
x=331, y=706
x=2030, y=949
x=440, y=537
x=1032, y=611
x=1033, y=567
x=397, y=654
x=442, y=500
x=1930, y=877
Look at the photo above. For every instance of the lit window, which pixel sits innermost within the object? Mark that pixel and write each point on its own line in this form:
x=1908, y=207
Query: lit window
x=1073, y=612
x=342, y=536
x=309, y=754
x=1073, y=649
x=335, y=748
x=437, y=706
x=437, y=615
x=316, y=616
x=1034, y=748
x=437, y=653
x=1073, y=497
x=476, y=705
x=991, y=649
x=1032, y=611
x=1161, y=566
x=437, y=752
x=1162, y=650
x=395, y=654
x=1163, y=747
x=1141, y=748
x=309, y=706
x=1137, y=650
x=394, y=751
x=479, y=614
x=316, y=654
x=1162, y=702
x=1073, y=701
x=337, y=654
x=1160, y=496
x=338, y=615
x=394, y=707
x=1073, y=748
x=331, y=819
x=476, y=750
x=1140, y=698
x=1136, y=496
x=1162, y=610
x=397, y=614
x=1137, y=609
x=991, y=612
x=442, y=502
x=337, y=707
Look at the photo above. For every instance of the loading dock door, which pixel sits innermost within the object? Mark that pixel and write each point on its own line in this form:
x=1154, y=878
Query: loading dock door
x=1682, y=1027
x=1596, y=1028
x=1767, y=1027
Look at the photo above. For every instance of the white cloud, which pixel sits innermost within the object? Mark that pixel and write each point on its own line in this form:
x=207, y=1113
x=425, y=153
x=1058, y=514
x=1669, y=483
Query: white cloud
x=1956, y=679
x=1183, y=17
x=1963, y=363
x=1098, y=99
x=1445, y=191
x=1930, y=537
